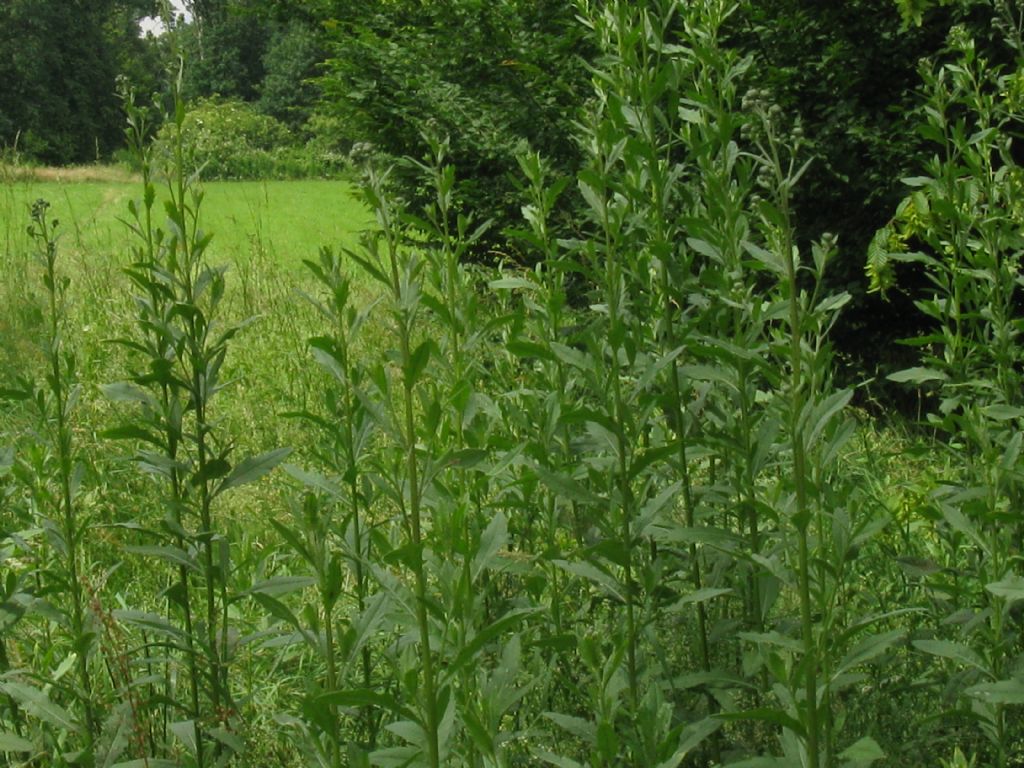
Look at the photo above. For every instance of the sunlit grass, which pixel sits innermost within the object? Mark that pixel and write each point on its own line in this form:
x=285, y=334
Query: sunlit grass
x=286, y=220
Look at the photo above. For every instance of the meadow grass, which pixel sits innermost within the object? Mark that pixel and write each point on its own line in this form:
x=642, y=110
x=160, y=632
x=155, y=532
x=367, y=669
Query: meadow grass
x=287, y=220
x=262, y=232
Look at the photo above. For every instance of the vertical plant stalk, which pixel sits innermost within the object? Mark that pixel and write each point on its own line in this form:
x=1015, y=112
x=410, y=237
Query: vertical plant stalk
x=442, y=178
x=356, y=514
x=659, y=172
x=187, y=349
x=337, y=348
x=405, y=281
x=617, y=330
x=184, y=266
x=606, y=260
x=784, y=177
x=149, y=274
x=63, y=391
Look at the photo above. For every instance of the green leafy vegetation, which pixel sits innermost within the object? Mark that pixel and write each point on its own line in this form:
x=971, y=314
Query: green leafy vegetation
x=277, y=494
x=231, y=140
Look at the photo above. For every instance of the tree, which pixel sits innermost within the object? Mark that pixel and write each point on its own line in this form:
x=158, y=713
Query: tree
x=223, y=48
x=59, y=62
x=290, y=61
x=494, y=78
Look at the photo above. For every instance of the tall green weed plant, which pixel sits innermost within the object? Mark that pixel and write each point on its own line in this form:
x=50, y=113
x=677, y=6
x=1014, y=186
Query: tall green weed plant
x=179, y=347
x=959, y=226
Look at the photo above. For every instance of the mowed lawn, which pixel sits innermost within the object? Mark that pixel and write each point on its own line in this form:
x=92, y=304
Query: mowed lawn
x=285, y=221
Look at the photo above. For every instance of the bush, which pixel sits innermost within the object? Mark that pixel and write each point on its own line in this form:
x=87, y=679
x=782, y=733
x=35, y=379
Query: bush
x=230, y=139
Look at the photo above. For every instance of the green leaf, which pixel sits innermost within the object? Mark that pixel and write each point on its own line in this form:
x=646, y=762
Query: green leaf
x=825, y=411
x=410, y=731
x=280, y=585
x=571, y=357
x=126, y=392
x=253, y=468
x=467, y=458
x=712, y=679
x=172, y=555
x=185, y=732
x=1002, y=412
x=867, y=649
x=566, y=487
x=558, y=760
x=704, y=248
x=492, y=541
x=773, y=638
x=418, y=362
x=362, y=697
x=282, y=612
x=582, y=729
x=1012, y=453
x=215, y=468
x=1002, y=692
x=917, y=375
x=469, y=651
x=863, y=752
x=150, y=621
x=230, y=740
x=593, y=575
x=324, y=351
x=767, y=715
x=953, y=651
x=315, y=480
x=770, y=259
x=958, y=522
x=37, y=703
x=596, y=202
x=690, y=738
x=366, y=625
x=131, y=432
x=700, y=596
x=10, y=742
x=294, y=540
x=528, y=349
x=511, y=283
x=1011, y=588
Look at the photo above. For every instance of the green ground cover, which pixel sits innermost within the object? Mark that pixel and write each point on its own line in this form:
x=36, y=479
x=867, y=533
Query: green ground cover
x=287, y=221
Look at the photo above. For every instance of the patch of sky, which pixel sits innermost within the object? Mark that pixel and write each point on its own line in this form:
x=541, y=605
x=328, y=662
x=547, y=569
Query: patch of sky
x=154, y=25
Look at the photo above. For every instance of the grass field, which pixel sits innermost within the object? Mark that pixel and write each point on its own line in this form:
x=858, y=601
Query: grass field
x=262, y=231
x=287, y=221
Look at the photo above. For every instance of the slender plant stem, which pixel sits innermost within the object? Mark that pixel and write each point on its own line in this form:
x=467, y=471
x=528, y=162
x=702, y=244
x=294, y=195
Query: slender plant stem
x=70, y=524
x=803, y=516
x=413, y=512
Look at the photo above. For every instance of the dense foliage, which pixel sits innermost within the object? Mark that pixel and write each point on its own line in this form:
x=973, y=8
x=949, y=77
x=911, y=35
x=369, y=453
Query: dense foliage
x=493, y=79
x=607, y=506
x=851, y=71
x=58, y=64
x=230, y=139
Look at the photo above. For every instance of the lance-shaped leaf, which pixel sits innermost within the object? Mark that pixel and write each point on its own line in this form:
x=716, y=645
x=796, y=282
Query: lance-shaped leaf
x=253, y=468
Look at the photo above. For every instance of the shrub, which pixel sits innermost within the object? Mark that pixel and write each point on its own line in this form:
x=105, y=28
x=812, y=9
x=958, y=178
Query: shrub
x=230, y=139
